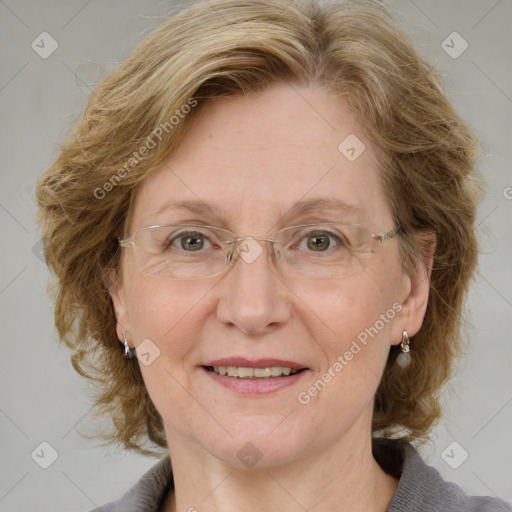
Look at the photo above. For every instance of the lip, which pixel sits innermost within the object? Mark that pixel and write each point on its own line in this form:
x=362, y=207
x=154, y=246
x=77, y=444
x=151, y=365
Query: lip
x=258, y=363
x=253, y=386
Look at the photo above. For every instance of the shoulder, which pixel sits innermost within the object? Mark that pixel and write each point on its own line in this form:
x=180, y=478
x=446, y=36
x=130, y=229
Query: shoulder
x=147, y=494
x=421, y=487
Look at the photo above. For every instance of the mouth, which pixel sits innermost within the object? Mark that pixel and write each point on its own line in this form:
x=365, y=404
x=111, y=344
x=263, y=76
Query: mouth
x=246, y=372
x=257, y=377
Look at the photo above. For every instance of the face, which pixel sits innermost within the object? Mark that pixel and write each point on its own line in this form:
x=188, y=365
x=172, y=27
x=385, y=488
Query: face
x=250, y=159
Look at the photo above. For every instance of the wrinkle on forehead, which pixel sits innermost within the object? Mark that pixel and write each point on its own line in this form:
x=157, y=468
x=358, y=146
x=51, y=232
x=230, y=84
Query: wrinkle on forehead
x=258, y=155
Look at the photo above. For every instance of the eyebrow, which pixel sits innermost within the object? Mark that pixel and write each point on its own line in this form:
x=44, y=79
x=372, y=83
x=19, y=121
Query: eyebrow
x=316, y=205
x=321, y=205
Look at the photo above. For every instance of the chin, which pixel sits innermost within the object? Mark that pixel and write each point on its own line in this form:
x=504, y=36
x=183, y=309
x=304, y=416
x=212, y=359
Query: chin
x=260, y=443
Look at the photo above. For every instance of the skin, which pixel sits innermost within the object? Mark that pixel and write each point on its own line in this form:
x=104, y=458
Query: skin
x=254, y=156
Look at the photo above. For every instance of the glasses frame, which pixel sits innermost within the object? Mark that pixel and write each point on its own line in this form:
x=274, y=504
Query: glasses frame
x=236, y=241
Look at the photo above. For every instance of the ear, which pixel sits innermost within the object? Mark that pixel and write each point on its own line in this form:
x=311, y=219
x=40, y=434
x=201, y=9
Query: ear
x=416, y=290
x=117, y=293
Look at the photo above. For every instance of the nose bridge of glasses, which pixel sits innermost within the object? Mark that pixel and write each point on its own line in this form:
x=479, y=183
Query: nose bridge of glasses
x=242, y=239
x=250, y=253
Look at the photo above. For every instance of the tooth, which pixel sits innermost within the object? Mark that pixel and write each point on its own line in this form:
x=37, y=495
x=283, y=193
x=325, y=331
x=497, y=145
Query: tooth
x=244, y=372
x=262, y=372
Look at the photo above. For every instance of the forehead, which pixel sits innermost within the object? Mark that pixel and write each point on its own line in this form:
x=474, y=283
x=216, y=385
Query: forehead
x=250, y=159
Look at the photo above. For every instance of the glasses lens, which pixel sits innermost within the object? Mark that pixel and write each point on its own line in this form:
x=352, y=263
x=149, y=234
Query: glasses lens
x=181, y=251
x=325, y=250
x=190, y=251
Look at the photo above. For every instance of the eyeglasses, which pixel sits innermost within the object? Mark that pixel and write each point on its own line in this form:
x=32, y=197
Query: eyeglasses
x=196, y=251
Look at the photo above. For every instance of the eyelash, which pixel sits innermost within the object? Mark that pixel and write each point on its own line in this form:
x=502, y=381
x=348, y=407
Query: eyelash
x=170, y=240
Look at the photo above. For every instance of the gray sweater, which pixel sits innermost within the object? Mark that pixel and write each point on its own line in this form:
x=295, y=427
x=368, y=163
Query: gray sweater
x=420, y=488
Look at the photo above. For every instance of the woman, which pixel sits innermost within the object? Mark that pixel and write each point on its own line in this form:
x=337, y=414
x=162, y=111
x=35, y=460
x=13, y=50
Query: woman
x=271, y=205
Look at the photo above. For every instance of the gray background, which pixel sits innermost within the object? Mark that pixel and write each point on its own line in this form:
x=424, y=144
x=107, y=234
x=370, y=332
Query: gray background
x=43, y=399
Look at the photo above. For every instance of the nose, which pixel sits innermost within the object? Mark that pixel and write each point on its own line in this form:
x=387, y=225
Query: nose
x=253, y=296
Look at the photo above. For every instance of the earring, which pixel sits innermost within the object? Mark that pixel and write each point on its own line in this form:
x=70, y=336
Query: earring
x=405, y=342
x=129, y=352
x=404, y=358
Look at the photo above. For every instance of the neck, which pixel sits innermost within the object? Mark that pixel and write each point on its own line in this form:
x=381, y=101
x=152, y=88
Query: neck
x=344, y=477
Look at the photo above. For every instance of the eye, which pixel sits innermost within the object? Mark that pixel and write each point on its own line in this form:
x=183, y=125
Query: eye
x=321, y=241
x=190, y=241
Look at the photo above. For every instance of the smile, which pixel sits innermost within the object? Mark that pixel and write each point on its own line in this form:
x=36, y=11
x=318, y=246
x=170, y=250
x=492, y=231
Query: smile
x=243, y=372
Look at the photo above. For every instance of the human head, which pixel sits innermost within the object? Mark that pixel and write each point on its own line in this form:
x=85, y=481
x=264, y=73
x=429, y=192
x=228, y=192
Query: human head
x=426, y=152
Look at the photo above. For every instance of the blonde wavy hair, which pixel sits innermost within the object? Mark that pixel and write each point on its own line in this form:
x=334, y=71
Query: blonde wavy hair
x=228, y=47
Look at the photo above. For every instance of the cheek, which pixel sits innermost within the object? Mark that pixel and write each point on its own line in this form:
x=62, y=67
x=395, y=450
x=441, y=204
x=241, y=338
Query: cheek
x=167, y=314
x=345, y=308
x=352, y=322
x=162, y=312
